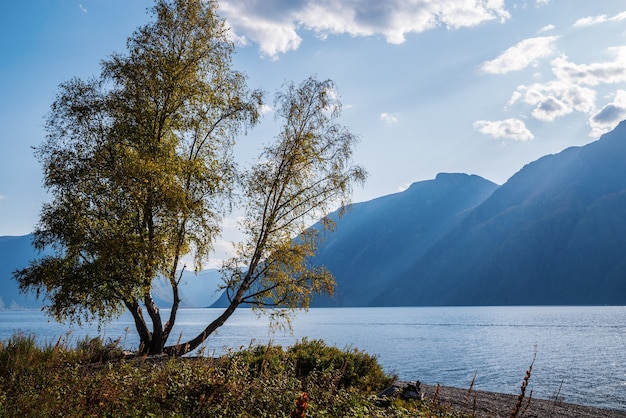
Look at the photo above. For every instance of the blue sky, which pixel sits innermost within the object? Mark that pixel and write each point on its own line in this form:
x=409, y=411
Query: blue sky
x=476, y=86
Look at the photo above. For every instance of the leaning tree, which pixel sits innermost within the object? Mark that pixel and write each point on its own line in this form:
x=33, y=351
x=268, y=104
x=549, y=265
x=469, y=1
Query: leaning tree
x=139, y=166
x=299, y=177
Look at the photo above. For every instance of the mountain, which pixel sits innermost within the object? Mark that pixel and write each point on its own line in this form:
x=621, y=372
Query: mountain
x=15, y=253
x=553, y=234
x=196, y=290
x=376, y=241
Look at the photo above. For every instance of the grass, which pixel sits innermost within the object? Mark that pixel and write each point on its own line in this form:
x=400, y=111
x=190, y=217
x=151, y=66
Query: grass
x=93, y=379
x=519, y=410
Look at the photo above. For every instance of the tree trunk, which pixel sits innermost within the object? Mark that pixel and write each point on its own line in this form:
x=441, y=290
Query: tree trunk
x=157, y=340
x=145, y=336
x=184, y=348
x=167, y=329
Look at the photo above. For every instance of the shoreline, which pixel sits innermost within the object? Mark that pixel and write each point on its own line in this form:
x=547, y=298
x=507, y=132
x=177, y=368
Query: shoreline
x=492, y=404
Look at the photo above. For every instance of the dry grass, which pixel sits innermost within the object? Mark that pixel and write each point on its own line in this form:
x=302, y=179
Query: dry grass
x=519, y=410
x=93, y=379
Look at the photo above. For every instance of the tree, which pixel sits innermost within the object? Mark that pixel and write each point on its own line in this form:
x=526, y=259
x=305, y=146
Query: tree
x=140, y=169
x=138, y=163
x=297, y=180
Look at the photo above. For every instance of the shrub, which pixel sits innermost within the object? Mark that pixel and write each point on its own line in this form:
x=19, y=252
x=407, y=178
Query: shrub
x=258, y=381
x=356, y=368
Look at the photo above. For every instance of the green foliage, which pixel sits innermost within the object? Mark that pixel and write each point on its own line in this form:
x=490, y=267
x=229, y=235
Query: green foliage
x=259, y=381
x=299, y=177
x=139, y=166
x=357, y=368
x=138, y=163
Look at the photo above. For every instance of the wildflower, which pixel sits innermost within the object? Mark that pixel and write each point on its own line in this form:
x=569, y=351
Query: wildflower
x=302, y=403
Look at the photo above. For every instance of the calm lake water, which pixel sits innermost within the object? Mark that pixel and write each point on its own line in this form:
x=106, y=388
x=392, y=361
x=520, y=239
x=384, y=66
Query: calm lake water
x=581, y=351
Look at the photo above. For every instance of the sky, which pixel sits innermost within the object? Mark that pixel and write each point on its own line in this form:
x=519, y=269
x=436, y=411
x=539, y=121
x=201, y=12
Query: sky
x=474, y=86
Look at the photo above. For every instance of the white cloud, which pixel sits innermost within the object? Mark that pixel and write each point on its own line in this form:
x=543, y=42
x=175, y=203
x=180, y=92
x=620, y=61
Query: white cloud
x=590, y=20
x=554, y=99
x=222, y=251
x=593, y=74
x=609, y=116
x=232, y=222
x=264, y=109
x=386, y=117
x=273, y=24
x=521, y=55
x=504, y=129
x=573, y=90
x=594, y=20
x=403, y=187
x=82, y=8
x=273, y=36
x=515, y=97
x=547, y=28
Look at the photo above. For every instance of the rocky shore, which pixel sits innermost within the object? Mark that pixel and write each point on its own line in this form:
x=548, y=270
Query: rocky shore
x=496, y=405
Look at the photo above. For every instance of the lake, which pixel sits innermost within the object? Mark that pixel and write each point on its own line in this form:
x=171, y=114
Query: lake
x=580, y=351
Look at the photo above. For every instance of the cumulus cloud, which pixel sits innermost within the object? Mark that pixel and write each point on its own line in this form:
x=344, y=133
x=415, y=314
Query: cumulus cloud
x=554, y=99
x=521, y=55
x=82, y=8
x=386, y=117
x=273, y=24
x=273, y=36
x=609, y=116
x=504, y=129
x=571, y=90
x=594, y=20
x=593, y=74
x=573, y=87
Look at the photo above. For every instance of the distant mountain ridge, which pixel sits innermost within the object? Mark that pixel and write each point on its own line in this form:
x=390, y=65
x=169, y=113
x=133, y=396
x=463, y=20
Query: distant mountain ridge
x=380, y=239
x=553, y=234
x=196, y=290
x=15, y=253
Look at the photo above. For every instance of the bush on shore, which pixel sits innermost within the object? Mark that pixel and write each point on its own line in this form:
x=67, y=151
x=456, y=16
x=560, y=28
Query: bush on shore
x=94, y=379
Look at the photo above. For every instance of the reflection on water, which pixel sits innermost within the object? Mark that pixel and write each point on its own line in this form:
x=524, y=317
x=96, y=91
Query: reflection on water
x=584, y=348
